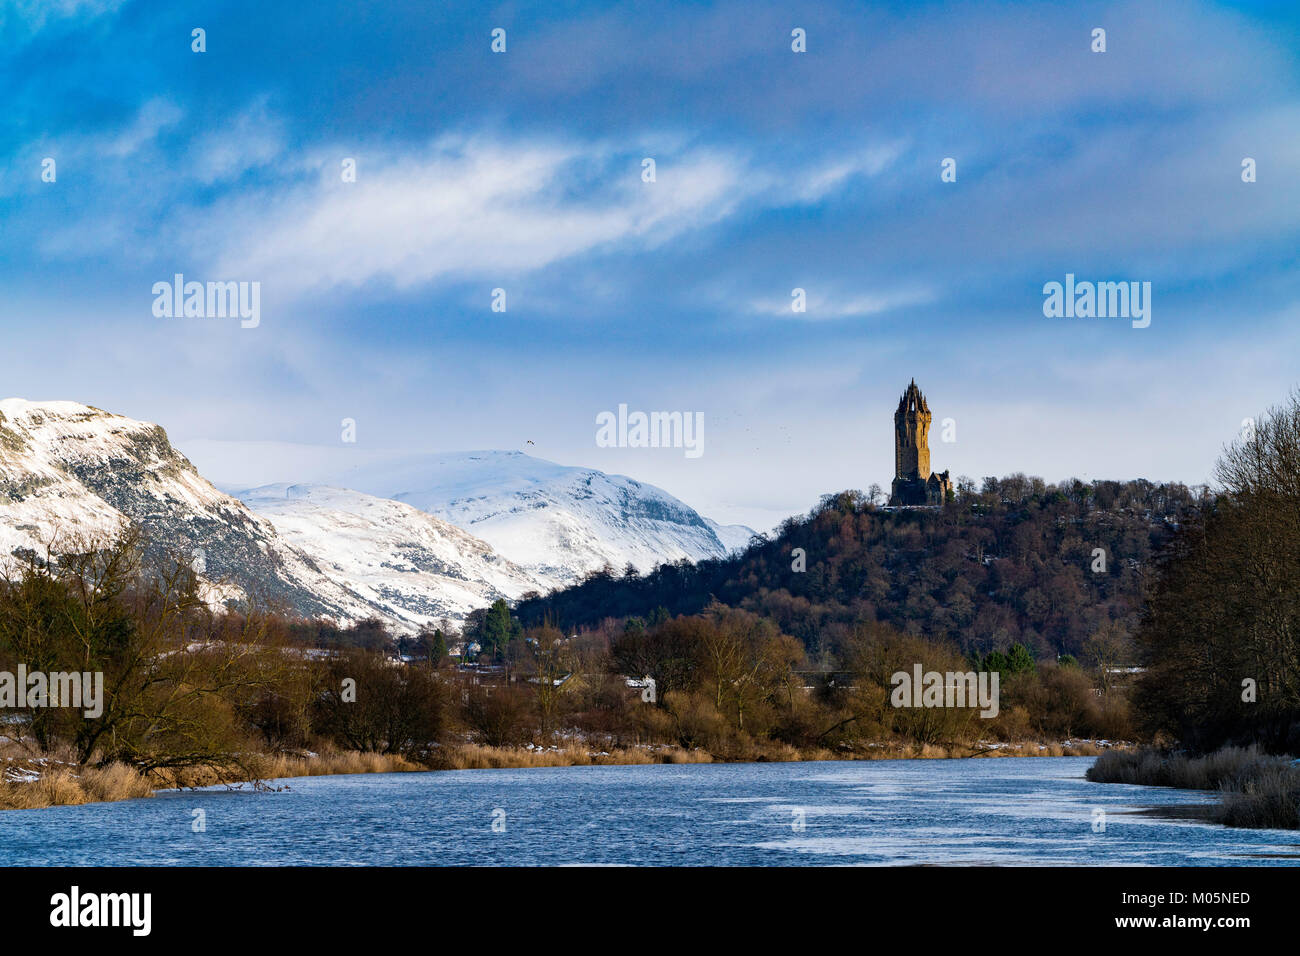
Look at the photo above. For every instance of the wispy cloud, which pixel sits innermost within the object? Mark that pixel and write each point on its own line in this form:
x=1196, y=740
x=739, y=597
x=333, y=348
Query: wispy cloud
x=22, y=19
x=249, y=140
x=464, y=207
x=471, y=206
x=823, y=306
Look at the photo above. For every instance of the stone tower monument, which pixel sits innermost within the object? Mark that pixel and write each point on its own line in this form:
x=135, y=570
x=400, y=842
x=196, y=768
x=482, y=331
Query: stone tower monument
x=914, y=483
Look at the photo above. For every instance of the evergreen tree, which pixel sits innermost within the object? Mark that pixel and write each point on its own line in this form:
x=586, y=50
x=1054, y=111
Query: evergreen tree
x=1019, y=659
x=499, y=629
x=437, y=647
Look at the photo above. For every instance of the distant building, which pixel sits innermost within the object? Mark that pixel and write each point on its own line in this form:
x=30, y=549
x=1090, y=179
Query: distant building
x=914, y=483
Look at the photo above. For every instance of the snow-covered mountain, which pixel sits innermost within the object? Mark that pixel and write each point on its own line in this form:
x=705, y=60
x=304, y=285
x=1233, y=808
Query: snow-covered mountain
x=555, y=521
x=734, y=537
x=411, y=565
x=424, y=537
x=71, y=473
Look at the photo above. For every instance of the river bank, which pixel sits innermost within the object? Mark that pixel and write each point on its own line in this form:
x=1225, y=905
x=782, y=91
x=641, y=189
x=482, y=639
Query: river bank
x=33, y=782
x=1257, y=790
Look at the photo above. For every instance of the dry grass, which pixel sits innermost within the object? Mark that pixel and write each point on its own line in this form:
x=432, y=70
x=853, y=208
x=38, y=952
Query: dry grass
x=117, y=781
x=1224, y=769
x=259, y=767
x=1257, y=790
x=681, y=755
x=329, y=764
x=61, y=786
x=1083, y=749
x=1270, y=800
x=61, y=783
x=894, y=750
x=471, y=756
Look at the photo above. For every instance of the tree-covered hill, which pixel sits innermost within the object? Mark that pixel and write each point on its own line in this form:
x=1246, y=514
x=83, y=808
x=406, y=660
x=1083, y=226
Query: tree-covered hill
x=1015, y=561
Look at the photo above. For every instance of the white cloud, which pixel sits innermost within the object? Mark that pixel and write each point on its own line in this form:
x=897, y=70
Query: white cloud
x=467, y=207
x=474, y=207
x=836, y=304
x=818, y=183
x=247, y=141
x=151, y=119
x=32, y=16
x=107, y=154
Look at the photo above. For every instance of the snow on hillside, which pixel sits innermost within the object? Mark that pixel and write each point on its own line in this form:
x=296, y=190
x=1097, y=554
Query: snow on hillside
x=40, y=498
x=556, y=521
x=460, y=531
x=734, y=537
x=410, y=564
x=71, y=472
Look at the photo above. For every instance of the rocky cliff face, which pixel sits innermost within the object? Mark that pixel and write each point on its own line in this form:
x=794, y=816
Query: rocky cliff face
x=70, y=473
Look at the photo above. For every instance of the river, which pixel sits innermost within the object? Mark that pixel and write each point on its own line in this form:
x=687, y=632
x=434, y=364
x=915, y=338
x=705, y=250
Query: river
x=888, y=812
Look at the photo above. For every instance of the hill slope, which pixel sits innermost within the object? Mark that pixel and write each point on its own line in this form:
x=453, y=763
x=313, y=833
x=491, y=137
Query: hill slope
x=402, y=561
x=1013, y=563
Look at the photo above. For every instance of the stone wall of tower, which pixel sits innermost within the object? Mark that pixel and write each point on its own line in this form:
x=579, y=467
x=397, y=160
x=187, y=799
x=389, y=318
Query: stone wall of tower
x=912, y=445
x=911, y=436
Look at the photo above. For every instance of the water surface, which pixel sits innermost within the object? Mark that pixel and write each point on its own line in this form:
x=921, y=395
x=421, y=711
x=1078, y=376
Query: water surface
x=1032, y=810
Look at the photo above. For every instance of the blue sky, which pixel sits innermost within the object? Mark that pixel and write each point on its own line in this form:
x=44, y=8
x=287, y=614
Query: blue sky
x=775, y=170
